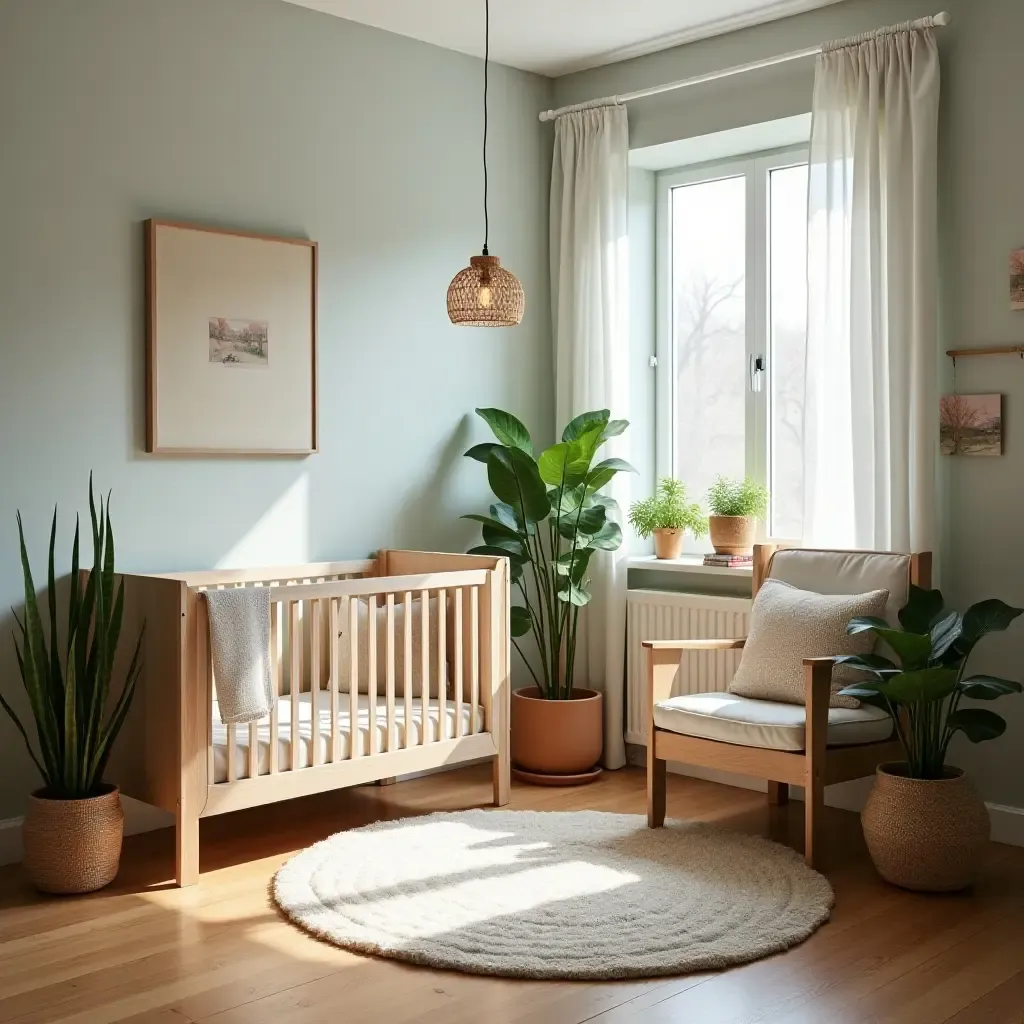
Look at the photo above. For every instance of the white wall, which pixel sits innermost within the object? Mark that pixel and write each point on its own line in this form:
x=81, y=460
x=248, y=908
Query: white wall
x=981, y=155
x=260, y=115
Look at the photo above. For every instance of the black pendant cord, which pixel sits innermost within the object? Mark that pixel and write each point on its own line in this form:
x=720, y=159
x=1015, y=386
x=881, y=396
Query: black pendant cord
x=487, y=58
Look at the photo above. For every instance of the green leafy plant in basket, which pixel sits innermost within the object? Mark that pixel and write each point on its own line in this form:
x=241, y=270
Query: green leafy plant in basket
x=667, y=509
x=745, y=497
x=549, y=520
x=925, y=691
x=69, y=684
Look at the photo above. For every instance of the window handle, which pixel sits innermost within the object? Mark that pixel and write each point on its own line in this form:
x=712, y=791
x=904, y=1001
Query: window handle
x=757, y=368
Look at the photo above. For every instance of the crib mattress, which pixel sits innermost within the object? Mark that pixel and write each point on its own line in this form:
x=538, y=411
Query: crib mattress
x=323, y=740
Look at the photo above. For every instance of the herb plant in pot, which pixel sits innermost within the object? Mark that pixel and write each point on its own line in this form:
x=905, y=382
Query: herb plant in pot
x=549, y=521
x=925, y=826
x=735, y=507
x=667, y=516
x=73, y=826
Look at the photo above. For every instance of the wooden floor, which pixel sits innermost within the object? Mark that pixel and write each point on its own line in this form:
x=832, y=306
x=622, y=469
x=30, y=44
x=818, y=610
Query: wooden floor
x=143, y=951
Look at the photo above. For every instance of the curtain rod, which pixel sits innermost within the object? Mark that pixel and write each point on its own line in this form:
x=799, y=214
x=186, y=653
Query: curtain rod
x=935, y=21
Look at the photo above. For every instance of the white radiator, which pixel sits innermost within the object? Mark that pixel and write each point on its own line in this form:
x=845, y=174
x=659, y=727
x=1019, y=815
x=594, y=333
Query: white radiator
x=665, y=615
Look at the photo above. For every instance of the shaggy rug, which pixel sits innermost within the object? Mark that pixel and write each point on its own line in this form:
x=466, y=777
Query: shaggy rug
x=532, y=894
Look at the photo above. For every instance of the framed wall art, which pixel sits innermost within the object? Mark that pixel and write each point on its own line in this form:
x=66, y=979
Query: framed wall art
x=971, y=425
x=231, y=339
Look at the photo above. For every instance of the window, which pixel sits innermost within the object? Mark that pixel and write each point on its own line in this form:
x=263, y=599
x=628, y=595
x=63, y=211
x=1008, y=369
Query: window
x=732, y=297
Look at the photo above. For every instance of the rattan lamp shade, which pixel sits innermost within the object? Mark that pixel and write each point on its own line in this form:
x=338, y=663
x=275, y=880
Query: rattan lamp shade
x=485, y=295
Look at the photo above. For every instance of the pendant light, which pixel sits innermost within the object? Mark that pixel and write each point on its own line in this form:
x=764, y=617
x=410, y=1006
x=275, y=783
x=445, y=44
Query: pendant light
x=485, y=294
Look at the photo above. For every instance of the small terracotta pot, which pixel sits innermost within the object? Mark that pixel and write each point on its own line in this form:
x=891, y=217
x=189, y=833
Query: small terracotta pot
x=925, y=834
x=733, y=535
x=668, y=543
x=73, y=846
x=557, y=737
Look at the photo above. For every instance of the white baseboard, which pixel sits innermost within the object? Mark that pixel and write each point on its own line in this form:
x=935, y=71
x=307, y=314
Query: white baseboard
x=138, y=817
x=1007, y=822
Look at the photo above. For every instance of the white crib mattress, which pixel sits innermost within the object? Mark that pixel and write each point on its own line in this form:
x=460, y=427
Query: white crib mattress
x=306, y=742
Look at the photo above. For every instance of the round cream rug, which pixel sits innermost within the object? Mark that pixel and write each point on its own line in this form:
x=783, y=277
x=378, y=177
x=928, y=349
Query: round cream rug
x=532, y=894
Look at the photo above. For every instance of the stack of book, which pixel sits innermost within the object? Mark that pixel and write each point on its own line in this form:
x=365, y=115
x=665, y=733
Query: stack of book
x=729, y=561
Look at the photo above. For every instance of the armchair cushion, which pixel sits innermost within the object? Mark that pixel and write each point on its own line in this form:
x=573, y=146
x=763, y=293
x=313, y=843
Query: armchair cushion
x=788, y=625
x=767, y=724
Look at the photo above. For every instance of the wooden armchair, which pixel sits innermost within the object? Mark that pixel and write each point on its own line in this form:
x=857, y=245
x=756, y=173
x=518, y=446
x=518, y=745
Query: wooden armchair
x=813, y=746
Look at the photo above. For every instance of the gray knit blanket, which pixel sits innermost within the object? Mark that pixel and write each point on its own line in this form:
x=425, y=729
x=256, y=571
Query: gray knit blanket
x=240, y=643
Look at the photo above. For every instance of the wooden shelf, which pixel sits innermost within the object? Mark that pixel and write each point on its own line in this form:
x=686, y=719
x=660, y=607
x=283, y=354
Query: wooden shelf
x=996, y=350
x=688, y=563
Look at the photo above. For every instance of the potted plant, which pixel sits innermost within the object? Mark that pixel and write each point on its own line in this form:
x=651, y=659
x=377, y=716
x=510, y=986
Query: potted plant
x=549, y=520
x=667, y=516
x=735, y=507
x=924, y=824
x=73, y=827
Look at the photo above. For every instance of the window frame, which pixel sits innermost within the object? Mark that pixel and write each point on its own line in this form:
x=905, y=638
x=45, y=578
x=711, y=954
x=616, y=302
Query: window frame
x=757, y=169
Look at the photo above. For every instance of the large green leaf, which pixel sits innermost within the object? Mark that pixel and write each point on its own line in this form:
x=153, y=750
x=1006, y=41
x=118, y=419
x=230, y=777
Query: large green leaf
x=601, y=475
x=513, y=477
x=496, y=539
x=913, y=649
x=988, y=687
x=573, y=564
x=507, y=429
x=494, y=524
x=507, y=516
x=873, y=663
x=520, y=621
x=864, y=623
x=985, y=617
x=613, y=428
x=565, y=463
x=587, y=520
x=923, y=686
x=944, y=634
x=608, y=538
x=977, y=724
x=922, y=609
x=480, y=452
x=570, y=593
x=585, y=422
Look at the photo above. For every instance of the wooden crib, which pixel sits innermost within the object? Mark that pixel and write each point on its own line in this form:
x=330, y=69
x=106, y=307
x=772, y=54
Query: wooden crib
x=353, y=706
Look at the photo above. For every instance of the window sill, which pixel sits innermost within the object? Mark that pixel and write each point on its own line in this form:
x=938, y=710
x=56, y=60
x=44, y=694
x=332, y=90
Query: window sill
x=687, y=564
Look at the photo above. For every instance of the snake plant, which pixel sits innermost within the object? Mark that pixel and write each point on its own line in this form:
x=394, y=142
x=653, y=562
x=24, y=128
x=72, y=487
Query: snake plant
x=69, y=684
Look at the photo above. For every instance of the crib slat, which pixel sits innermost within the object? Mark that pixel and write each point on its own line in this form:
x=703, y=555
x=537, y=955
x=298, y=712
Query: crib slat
x=333, y=624
x=474, y=659
x=442, y=676
x=407, y=664
x=424, y=665
x=254, y=749
x=295, y=681
x=314, y=680
x=371, y=671
x=457, y=660
x=275, y=682
x=353, y=677
x=232, y=753
x=389, y=684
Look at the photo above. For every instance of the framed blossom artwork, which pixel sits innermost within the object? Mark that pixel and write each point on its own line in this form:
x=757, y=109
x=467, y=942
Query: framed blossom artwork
x=230, y=342
x=1017, y=279
x=971, y=425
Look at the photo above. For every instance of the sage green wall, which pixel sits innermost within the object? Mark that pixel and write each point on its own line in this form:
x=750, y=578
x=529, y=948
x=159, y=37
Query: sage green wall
x=254, y=114
x=982, y=211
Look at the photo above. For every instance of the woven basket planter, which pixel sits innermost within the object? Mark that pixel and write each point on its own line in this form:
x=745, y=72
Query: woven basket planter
x=925, y=834
x=73, y=846
x=733, y=535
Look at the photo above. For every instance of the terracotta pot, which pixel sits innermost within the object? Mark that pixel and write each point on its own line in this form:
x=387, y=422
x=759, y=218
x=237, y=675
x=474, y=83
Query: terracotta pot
x=733, y=535
x=668, y=543
x=925, y=834
x=557, y=737
x=73, y=845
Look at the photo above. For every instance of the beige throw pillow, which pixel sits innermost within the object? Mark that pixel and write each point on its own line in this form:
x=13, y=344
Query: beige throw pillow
x=788, y=625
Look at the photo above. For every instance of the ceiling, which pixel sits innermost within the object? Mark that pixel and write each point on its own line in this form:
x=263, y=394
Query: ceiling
x=555, y=37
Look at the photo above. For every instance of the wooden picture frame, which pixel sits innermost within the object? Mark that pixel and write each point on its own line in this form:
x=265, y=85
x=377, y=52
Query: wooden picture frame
x=231, y=342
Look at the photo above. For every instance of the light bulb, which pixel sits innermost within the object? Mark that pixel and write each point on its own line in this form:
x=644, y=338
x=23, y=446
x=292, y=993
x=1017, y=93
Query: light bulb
x=483, y=297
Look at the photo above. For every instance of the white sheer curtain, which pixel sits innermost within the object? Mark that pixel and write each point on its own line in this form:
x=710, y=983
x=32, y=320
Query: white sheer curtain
x=871, y=404
x=590, y=302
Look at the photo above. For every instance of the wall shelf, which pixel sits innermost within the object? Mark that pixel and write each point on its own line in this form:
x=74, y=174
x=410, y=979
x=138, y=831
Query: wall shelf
x=996, y=350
